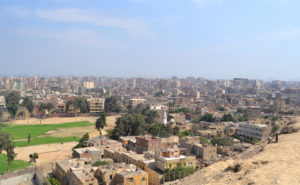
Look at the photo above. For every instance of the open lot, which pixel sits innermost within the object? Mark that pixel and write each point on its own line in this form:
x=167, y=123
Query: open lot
x=47, y=152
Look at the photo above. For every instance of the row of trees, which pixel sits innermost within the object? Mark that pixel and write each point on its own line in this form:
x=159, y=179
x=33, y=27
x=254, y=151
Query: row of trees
x=227, y=117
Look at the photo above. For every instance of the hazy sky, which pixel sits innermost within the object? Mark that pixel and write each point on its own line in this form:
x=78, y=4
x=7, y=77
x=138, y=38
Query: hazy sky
x=151, y=38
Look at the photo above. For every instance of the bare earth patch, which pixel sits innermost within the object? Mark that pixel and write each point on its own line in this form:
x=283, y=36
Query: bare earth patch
x=67, y=132
x=76, y=131
x=47, y=153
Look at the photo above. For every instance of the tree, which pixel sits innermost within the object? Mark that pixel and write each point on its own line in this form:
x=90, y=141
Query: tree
x=12, y=102
x=42, y=107
x=160, y=130
x=159, y=94
x=10, y=153
x=150, y=115
x=33, y=157
x=101, y=122
x=49, y=107
x=227, y=118
x=222, y=142
x=82, y=141
x=221, y=109
x=129, y=125
x=4, y=139
x=112, y=105
x=82, y=104
x=27, y=102
x=29, y=138
x=208, y=118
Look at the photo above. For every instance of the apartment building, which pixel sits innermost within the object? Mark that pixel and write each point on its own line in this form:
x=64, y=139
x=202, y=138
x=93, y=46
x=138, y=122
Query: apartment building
x=147, y=143
x=172, y=158
x=135, y=101
x=89, y=85
x=258, y=131
x=96, y=104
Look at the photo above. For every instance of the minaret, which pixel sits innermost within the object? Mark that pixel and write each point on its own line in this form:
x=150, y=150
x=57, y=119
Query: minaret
x=164, y=117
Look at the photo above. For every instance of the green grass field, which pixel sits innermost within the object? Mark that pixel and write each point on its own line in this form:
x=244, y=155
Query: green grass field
x=21, y=132
x=17, y=164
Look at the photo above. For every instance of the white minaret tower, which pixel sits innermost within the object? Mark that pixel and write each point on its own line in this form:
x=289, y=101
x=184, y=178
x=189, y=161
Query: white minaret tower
x=164, y=117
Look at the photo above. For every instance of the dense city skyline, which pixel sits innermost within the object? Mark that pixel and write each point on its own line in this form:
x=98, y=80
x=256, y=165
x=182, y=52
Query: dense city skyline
x=151, y=38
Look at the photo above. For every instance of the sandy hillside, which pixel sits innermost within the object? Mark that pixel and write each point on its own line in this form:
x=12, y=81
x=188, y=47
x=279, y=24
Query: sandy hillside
x=263, y=164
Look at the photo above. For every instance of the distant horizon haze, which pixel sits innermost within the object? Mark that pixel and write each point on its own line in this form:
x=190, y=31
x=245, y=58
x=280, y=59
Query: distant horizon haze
x=213, y=39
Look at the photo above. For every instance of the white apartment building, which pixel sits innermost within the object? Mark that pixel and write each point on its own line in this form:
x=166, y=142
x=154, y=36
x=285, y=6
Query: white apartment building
x=250, y=130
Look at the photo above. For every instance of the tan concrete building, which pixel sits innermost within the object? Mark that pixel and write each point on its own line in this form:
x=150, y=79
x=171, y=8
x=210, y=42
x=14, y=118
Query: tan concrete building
x=206, y=153
x=89, y=85
x=135, y=101
x=80, y=176
x=106, y=175
x=132, y=177
x=172, y=159
x=96, y=104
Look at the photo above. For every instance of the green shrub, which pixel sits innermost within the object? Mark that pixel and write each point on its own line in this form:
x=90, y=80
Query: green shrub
x=100, y=163
x=54, y=181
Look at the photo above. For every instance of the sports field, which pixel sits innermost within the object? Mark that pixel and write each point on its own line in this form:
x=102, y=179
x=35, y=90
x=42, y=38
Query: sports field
x=39, y=132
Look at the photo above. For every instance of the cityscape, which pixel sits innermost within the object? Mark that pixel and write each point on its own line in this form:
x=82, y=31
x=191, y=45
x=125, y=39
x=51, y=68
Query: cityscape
x=149, y=92
x=91, y=130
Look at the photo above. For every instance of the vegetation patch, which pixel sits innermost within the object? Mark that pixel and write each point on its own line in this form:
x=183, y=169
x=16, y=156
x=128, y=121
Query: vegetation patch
x=178, y=173
x=17, y=164
x=21, y=132
x=100, y=163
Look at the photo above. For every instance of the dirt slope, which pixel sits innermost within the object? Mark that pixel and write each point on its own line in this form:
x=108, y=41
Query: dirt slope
x=263, y=164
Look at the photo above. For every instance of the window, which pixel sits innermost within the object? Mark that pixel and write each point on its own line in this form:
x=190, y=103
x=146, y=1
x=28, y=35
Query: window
x=130, y=179
x=143, y=179
x=190, y=164
x=110, y=177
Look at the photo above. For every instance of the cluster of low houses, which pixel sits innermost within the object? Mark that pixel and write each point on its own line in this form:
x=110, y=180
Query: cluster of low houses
x=144, y=159
x=132, y=160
